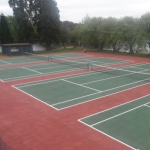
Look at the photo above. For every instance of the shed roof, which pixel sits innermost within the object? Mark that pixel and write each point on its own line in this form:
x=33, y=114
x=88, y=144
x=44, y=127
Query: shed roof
x=16, y=44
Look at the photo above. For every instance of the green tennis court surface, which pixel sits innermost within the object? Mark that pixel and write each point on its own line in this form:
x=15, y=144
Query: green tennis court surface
x=68, y=91
x=14, y=73
x=128, y=123
x=41, y=58
x=35, y=58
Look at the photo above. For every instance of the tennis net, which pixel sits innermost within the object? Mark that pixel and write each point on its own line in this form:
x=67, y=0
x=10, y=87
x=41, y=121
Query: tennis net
x=83, y=65
x=38, y=57
x=138, y=75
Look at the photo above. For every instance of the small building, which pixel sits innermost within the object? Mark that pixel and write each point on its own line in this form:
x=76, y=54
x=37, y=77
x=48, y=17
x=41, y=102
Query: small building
x=16, y=48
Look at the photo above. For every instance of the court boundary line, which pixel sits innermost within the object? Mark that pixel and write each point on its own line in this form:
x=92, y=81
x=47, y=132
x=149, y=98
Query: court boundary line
x=78, y=97
x=35, y=98
x=91, y=126
x=93, y=94
x=80, y=85
x=27, y=77
x=108, y=135
x=106, y=79
x=66, y=77
x=5, y=62
x=32, y=70
x=101, y=97
x=49, y=67
x=96, y=72
x=119, y=114
x=115, y=106
x=117, y=59
x=38, y=75
x=105, y=91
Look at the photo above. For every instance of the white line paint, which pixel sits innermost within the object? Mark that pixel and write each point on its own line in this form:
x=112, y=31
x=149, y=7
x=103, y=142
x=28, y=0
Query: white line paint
x=102, y=97
x=108, y=135
x=106, y=79
x=50, y=67
x=35, y=97
x=146, y=105
x=32, y=70
x=114, y=107
x=5, y=62
x=117, y=115
x=81, y=85
x=75, y=99
x=47, y=73
x=106, y=91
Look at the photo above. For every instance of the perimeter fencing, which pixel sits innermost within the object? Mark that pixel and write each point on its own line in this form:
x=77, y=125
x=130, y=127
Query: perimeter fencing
x=4, y=145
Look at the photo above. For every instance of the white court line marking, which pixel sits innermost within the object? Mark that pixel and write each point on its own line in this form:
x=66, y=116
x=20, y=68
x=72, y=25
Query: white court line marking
x=102, y=96
x=26, y=77
x=115, y=76
x=5, y=62
x=114, y=107
x=34, y=97
x=32, y=70
x=81, y=85
x=94, y=72
x=109, y=136
x=118, y=115
x=106, y=91
x=91, y=126
x=116, y=59
x=74, y=99
x=1, y=80
x=50, y=67
x=70, y=76
x=146, y=105
x=107, y=78
x=21, y=77
x=47, y=73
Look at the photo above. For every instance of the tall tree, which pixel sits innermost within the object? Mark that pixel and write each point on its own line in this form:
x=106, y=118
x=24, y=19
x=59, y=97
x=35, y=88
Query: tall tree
x=144, y=30
x=45, y=16
x=5, y=34
x=13, y=26
x=128, y=32
x=22, y=14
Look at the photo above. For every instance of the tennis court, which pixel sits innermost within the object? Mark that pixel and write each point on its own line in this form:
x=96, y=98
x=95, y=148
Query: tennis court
x=65, y=92
x=56, y=65
x=29, y=58
x=127, y=123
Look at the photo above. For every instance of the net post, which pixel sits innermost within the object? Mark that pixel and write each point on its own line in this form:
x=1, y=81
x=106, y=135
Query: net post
x=50, y=58
x=90, y=66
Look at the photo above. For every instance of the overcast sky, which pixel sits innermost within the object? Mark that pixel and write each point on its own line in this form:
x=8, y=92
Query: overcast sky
x=76, y=10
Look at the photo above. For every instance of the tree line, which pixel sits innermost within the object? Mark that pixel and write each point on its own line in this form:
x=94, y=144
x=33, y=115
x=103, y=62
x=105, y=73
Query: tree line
x=39, y=21
x=116, y=34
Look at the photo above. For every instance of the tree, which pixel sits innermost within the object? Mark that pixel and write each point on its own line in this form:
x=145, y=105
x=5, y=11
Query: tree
x=128, y=32
x=144, y=30
x=22, y=13
x=64, y=34
x=5, y=34
x=13, y=26
x=45, y=17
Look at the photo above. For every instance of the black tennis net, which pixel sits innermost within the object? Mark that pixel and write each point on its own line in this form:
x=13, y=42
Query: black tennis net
x=121, y=71
x=76, y=64
x=37, y=57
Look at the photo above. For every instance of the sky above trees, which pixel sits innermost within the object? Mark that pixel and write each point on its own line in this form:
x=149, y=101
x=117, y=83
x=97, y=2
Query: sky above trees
x=76, y=10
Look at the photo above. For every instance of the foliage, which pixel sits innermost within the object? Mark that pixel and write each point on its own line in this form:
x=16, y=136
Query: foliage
x=13, y=26
x=5, y=34
x=127, y=33
x=37, y=20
